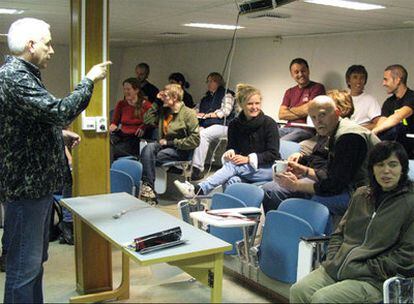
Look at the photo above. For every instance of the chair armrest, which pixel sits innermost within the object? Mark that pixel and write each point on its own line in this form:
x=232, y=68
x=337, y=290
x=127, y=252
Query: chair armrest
x=398, y=289
x=316, y=239
x=185, y=207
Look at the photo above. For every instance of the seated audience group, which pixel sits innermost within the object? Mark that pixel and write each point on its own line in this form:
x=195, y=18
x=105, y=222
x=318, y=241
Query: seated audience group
x=342, y=163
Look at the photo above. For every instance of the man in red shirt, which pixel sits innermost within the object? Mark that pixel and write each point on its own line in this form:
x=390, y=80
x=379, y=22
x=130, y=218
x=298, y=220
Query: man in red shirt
x=294, y=107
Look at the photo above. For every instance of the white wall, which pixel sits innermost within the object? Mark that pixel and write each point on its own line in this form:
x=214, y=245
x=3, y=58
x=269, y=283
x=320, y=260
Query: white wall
x=264, y=62
x=56, y=76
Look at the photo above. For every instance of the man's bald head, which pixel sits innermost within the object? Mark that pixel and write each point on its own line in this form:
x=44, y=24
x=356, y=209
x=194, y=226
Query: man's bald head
x=324, y=114
x=323, y=101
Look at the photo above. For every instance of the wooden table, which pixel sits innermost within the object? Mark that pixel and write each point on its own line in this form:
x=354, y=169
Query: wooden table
x=96, y=230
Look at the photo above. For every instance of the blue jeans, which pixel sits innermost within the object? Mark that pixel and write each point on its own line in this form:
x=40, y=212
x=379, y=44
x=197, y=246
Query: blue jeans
x=231, y=173
x=27, y=223
x=295, y=134
x=154, y=154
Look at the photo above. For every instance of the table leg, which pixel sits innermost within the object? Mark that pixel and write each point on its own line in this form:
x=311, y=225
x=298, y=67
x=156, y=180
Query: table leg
x=120, y=293
x=206, y=269
x=217, y=289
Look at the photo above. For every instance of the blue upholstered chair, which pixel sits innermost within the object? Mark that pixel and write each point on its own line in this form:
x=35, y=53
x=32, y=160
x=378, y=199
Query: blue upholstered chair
x=230, y=235
x=313, y=212
x=133, y=168
x=249, y=194
x=278, y=251
x=121, y=182
x=236, y=195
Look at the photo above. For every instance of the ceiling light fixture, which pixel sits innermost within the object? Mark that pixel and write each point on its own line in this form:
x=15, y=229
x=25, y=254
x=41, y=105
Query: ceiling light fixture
x=361, y=6
x=11, y=11
x=213, y=26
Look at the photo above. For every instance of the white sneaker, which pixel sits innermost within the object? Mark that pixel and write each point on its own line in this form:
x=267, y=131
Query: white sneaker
x=186, y=188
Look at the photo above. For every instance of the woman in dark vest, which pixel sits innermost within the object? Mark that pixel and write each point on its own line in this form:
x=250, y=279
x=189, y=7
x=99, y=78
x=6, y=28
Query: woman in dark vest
x=216, y=109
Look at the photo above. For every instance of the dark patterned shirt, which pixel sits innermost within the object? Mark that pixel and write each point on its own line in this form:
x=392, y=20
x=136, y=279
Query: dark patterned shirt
x=32, y=161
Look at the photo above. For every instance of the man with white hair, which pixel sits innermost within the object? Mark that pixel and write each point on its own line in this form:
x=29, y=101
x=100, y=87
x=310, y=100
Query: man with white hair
x=348, y=145
x=32, y=160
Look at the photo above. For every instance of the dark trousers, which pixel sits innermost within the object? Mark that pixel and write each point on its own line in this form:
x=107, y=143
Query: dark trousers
x=399, y=134
x=154, y=154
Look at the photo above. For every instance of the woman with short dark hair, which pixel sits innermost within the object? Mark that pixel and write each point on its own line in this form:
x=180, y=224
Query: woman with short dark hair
x=374, y=240
x=179, y=78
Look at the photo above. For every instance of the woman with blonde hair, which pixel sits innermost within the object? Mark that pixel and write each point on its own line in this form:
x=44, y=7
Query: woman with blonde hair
x=252, y=147
x=343, y=101
x=178, y=134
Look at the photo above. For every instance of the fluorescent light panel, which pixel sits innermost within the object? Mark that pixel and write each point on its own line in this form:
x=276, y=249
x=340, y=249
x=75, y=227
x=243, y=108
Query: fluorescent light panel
x=361, y=6
x=213, y=26
x=10, y=11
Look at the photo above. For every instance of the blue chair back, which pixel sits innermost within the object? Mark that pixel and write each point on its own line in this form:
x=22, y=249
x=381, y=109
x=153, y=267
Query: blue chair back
x=230, y=235
x=278, y=256
x=132, y=168
x=121, y=182
x=249, y=194
x=287, y=148
x=411, y=169
x=316, y=214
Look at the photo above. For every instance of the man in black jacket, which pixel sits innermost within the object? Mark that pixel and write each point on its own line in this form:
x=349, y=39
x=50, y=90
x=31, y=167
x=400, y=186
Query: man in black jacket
x=142, y=71
x=32, y=161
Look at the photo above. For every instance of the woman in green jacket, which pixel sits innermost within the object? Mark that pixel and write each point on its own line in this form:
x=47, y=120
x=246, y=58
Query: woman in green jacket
x=374, y=240
x=178, y=135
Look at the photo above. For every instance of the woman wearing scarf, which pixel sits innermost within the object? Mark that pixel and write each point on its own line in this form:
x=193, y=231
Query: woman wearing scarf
x=252, y=147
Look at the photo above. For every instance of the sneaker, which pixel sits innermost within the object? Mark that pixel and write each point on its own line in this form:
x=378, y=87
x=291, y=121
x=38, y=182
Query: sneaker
x=147, y=192
x=196, y=174
x=186, y=188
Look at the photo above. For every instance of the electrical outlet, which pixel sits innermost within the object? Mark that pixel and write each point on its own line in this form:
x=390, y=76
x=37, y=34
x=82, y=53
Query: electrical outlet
x=88, y=123
x=101, y=124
